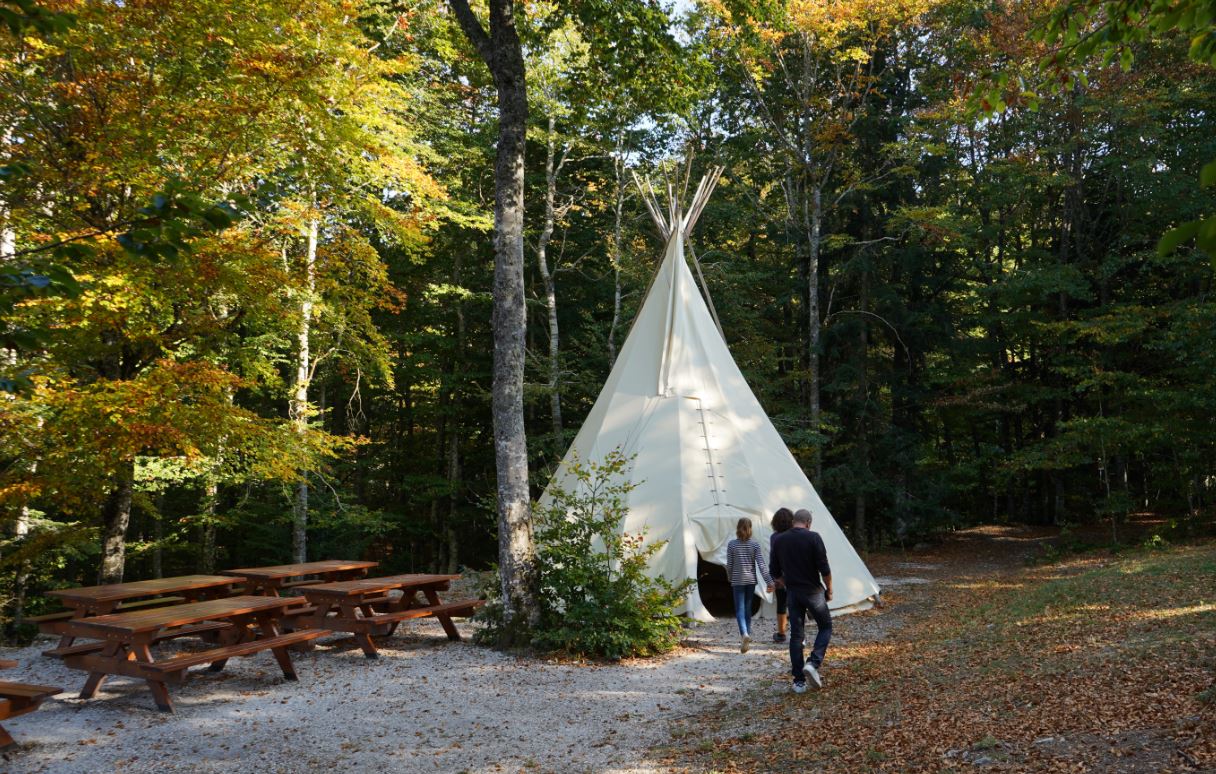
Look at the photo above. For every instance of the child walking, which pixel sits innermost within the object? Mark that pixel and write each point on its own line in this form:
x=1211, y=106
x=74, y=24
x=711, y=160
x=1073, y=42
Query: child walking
x=742, y=558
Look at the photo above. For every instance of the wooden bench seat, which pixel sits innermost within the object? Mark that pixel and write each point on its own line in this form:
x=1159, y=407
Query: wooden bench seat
x=182, y=631
x=177, y=664
x=461, y=608
x=19, y=699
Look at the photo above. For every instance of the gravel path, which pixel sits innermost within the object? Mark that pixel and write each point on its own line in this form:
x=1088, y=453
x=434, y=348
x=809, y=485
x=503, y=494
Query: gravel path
x=425, y=705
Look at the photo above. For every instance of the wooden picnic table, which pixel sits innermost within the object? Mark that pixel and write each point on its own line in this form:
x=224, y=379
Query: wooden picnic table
x=18, y=699
x=364, y=607
x=86, y=601
x=271, y=580
x=248, y=625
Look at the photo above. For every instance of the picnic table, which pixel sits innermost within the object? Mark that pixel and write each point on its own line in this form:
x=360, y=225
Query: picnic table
x=248, y=624
x=271, y=580
x=365, y=607
x=18, y=699
x=87, y=601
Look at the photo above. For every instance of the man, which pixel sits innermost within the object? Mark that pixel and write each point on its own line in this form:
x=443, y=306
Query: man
x=800, y=561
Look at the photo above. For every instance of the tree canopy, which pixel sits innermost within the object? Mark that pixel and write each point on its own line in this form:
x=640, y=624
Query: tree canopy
x=247, y=263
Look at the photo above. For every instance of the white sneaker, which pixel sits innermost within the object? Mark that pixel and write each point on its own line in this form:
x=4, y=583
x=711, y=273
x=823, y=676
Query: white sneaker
x=799, y=687
x=747, y=643
x=813, y=675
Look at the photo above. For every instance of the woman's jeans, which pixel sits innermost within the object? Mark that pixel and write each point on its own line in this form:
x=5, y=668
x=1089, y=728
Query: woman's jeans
x=743, y=607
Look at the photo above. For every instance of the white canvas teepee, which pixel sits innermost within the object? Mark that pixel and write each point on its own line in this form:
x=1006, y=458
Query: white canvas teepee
x=704, y=452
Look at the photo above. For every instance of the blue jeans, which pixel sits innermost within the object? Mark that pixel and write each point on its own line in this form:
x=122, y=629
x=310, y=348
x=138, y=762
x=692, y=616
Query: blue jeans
x=743, y=607
x=803, y=601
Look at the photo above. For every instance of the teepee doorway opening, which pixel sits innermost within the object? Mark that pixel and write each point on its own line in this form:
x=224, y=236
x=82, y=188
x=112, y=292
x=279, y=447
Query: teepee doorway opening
x=714, y=587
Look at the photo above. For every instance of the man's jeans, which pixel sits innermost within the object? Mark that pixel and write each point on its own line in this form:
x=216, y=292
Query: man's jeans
x=743, y=607
x=803, y=601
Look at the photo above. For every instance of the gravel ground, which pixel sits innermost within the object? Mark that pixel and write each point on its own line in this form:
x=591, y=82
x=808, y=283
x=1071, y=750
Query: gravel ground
x=425, y=705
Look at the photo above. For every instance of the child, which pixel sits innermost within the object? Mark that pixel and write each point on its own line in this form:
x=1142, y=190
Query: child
x=742, y=558
x=783, y=519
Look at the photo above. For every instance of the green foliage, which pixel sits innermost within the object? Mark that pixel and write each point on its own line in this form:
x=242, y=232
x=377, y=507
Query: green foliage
x=596, y=597
x=22, y=15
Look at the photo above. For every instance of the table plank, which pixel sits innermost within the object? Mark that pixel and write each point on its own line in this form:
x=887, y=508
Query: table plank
x=364, y=586
x=304, y=568
x=143, y=621
x=112, y=592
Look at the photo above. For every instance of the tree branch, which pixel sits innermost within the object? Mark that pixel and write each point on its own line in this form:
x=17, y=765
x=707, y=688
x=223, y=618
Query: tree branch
x=473, y=30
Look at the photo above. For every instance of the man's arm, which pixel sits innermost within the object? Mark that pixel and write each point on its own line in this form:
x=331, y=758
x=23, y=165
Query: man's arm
x=821, y=562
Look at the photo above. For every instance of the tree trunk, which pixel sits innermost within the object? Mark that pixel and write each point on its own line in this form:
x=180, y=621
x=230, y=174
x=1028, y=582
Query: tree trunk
x=502, y=52
x=115, y=517
x=211, y=496
x=454, y=438
x=860, y=536
x=618, y=210
x=298, y=408
x=542, y=249
x=814, y=231
x=158, y=540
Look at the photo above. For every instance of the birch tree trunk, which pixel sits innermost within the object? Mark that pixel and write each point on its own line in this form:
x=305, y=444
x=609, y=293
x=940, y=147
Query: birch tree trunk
x=21, y=526
x=542, y=249
x=618, y=209
x=502, y=53
x=814, y=225
x=298, y=408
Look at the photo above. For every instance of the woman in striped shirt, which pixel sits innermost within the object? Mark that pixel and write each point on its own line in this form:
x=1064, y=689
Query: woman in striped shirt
x=742, y=558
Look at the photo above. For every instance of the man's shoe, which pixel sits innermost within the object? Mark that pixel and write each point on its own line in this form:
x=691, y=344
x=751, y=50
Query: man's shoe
x=799, y=686
x=778, y=636
x=813, y=675
x=747, y=643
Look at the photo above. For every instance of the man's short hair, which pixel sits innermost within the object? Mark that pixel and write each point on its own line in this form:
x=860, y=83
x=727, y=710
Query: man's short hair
x=802, y=516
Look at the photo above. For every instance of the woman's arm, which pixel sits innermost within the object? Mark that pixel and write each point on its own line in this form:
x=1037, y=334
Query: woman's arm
x=759, y=559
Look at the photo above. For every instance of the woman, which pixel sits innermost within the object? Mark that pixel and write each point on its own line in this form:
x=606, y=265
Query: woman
x=742, y=558
x=783, y=519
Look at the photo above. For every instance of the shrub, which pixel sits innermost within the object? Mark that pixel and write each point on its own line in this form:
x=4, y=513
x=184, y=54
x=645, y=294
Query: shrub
x=595, y=596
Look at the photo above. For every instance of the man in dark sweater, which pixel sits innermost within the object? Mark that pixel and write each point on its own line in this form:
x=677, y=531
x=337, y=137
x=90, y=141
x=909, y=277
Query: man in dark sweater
x=800, y=561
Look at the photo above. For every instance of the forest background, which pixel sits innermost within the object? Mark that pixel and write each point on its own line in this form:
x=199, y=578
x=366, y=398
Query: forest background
x=247, y=268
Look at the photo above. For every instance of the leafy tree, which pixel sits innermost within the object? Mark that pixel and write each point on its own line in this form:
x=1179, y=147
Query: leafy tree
x=596, y=596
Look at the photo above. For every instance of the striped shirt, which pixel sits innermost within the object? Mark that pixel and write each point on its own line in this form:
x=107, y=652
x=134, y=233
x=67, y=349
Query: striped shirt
x=742, y=559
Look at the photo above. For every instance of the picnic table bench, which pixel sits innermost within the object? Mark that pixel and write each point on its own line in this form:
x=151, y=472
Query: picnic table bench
x=87, y=601
x=247, y=624
x=19, y=699
x=272, y=580
x=364, y=607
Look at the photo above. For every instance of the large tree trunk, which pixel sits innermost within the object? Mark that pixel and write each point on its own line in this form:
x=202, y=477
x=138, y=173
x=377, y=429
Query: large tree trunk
x=116, y=515
x=552, y=167
x=502, y=52
x=298, y=409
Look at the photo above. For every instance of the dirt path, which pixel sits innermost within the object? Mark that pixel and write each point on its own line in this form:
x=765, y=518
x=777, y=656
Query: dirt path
x=429, y=705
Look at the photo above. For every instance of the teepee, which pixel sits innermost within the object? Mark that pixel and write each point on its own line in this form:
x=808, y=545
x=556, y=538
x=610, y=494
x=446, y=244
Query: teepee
x=703, y=451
